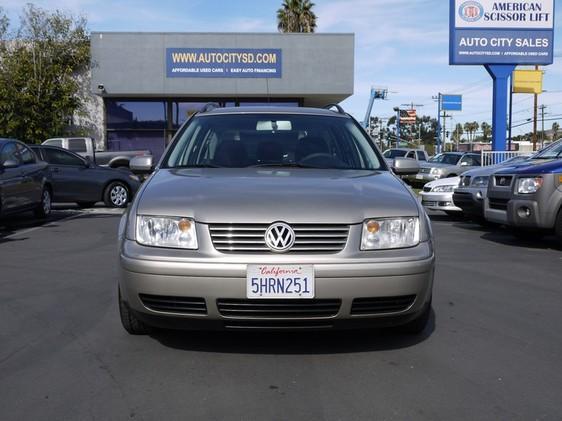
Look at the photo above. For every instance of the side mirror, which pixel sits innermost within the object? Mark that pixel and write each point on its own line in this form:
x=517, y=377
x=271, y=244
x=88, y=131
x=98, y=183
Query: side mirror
x=10, y=163
x=141, y=164
x=405, y=166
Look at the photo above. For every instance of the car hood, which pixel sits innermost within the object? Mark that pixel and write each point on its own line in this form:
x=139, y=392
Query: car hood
x=533, y=166
x=444, y=182
x=250, y=195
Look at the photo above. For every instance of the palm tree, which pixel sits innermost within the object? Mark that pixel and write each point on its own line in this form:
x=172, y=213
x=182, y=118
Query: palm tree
x=296, y=16
x=486, y=130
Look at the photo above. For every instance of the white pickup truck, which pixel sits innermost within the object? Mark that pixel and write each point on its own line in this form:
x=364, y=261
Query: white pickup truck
x=85, y=146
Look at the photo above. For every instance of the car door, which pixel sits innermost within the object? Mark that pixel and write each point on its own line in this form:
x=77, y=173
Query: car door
x=33, y=173
x=11, y=196
x=72, y=178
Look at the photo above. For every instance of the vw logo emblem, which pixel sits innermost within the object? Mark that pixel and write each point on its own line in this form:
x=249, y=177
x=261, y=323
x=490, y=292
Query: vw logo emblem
x=279, y=237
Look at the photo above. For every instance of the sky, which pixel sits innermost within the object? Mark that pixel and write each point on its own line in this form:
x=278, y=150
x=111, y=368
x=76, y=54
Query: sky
x=399, y=44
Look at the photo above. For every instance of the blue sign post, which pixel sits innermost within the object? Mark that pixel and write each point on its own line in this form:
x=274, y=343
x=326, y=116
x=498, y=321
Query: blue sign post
x=501, y=35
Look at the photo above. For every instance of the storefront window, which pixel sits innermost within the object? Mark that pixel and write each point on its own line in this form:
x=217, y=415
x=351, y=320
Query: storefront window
x=270, y=104
x=183, y=110
x=136, y=114
x=127, y=140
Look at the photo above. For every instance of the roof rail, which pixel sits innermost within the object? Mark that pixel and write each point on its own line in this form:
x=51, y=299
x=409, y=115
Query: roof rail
x=209, y=106
x=336, y=106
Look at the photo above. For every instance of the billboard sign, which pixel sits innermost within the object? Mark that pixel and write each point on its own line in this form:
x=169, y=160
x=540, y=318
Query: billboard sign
x=501, y=32
x=451, y=102
x=223, y=62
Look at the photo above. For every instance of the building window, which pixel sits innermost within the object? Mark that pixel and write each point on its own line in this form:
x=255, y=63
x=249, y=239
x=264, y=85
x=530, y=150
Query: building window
x=128, y=140
x=183, y=110
x=136, y=114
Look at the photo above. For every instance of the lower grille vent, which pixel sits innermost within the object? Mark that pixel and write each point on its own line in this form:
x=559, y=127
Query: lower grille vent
x=278, y=308
x=180, y=305
x=379, y=305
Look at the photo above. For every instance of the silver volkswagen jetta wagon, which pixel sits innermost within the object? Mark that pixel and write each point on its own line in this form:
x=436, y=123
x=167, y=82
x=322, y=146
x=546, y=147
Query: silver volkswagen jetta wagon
x=274, y=218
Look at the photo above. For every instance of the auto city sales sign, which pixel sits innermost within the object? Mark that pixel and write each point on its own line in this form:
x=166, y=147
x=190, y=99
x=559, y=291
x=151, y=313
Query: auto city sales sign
x=501, y=32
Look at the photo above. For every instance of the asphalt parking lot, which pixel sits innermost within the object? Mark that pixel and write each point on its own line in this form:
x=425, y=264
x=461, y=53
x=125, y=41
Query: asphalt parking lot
x=493, y=349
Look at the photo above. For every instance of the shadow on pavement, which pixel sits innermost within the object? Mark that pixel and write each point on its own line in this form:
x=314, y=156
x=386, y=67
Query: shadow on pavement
x=288, y=343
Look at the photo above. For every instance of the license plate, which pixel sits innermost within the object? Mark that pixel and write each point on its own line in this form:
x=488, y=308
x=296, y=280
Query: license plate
x=419, y=177
x=280, y=281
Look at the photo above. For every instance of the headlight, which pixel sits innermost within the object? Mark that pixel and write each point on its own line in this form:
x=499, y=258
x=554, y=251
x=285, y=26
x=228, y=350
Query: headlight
x=529, y=185
x=162, y=231
x=444, y=189
x=379, y=234
x=480, y=182
x=435, y=171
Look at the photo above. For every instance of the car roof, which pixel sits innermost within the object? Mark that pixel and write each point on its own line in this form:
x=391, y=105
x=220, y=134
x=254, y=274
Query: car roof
x=274, y=110
x=4, y=140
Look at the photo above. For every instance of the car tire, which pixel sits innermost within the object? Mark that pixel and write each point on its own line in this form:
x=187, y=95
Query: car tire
x=418, y=325
x=84, y=205
x=455, y=214
x=116, y=195
x=558, y=226
x=129, y=321
x=44, y=208
x=527, y=234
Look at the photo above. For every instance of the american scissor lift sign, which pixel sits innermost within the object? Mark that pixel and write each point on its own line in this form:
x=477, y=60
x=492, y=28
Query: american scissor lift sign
x=502, y=32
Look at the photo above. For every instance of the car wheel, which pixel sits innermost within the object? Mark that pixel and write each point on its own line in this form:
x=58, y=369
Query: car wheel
x=44, y=208
x=129, y=321
x=116, y=195
x=86, y=204
x=418, y=325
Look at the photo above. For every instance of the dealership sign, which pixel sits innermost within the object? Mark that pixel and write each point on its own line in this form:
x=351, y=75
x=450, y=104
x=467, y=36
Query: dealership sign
x=502, y=32
x=223, y=62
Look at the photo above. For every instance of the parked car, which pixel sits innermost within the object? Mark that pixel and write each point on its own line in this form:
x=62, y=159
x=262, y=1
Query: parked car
x=76, y=179
x=24, y=180
x=437, y=195
x=473, y=186
x=528, y=198
x=85, y=146
x=274, y=218
x=448, y=164
x=418, y=154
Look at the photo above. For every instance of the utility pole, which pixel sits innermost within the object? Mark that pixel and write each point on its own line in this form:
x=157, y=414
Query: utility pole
x=438, y=130
x=444, y=128
x=535, y=117
x=542, y=108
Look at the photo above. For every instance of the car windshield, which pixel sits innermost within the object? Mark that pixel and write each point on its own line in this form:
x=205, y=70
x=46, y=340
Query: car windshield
x=447, y=158
x=551, y=152
x=272, y=140
x=394, y=153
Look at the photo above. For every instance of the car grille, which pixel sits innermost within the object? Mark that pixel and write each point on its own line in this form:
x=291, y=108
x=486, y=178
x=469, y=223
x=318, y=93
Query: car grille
x=168, y=304
x=380, y=305
x=503, y=180
x=249, y=238
x=429, y=203
x=427, y=189
x=500, y=204
x=278, y=308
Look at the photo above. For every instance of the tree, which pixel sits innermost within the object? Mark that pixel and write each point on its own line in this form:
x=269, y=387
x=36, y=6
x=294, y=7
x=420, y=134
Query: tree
x=457, y=133
x=40, y=64
x=486, y=130
x=296, y=16
x=555, y=129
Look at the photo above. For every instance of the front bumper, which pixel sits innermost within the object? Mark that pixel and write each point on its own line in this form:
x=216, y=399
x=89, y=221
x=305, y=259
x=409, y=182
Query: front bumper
x=424, y=178
x=336, y=279
x=439, y=201
x=471, y=201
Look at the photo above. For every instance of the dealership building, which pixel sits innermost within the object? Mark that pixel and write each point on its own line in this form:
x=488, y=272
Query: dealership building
x=150, y=83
